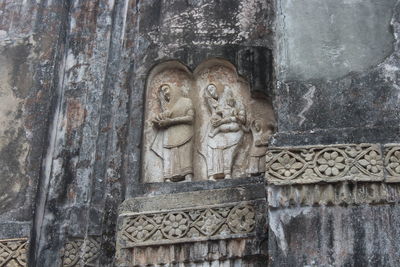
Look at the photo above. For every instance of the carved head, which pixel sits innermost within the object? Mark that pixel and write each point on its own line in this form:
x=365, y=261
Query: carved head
x=230, y=100
x=212, y=90
x=270, y=128
x=257, y=125
x=165, y=92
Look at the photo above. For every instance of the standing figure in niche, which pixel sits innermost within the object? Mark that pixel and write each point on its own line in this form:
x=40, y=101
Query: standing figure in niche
x=259, y=147
x=225, y=132
x=174, y=140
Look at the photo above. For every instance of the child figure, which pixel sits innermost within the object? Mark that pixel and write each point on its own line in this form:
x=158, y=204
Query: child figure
x=259, y=147
x=225, y=119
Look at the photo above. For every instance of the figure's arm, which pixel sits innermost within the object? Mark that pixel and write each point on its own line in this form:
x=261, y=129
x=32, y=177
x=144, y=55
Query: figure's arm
x=225, y=120
x=264, y=138
x=187, y=119
x=241, y=117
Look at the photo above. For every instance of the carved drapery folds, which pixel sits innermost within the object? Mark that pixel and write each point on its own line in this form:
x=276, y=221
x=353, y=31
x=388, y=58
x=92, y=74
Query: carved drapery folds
x=203, y=125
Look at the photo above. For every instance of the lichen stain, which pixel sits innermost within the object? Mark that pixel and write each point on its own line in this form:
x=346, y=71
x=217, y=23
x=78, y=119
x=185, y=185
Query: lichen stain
x=76, y=114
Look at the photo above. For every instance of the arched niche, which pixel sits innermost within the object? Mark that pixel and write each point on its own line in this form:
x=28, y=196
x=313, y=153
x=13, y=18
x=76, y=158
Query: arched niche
x=203, y=125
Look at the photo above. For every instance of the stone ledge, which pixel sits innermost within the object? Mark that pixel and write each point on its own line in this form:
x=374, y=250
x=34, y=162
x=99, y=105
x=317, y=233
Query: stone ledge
x=333, y=194
x=187, y=219
x=233, y=220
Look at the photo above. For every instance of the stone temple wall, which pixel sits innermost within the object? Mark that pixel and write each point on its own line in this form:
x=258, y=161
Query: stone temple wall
x=199, y=132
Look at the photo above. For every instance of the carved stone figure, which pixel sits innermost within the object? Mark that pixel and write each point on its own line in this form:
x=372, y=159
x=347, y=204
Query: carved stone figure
x=174, y=139
x=259, y=146
x=197, y=124
x=225, y=132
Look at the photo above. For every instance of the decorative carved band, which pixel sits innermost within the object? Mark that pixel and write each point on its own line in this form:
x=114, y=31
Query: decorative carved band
x=81, y=251
x=332, y=163
x=333, y=194
x=13, y=252
x=188, y=225
x=392, y=163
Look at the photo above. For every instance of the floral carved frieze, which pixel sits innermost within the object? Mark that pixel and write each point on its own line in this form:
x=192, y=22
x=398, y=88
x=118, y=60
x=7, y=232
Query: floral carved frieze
x=188, y=225
x=392, y=162
x=81, y=251
x=331, y=163
x=13, y=252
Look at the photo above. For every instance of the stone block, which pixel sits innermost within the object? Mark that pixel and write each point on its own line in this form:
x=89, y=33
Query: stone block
x=193, y=226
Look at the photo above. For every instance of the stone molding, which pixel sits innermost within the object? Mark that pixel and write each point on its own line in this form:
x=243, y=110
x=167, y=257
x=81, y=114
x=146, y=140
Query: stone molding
x=333, y=163
x=13, y=252
x=79, y=251
x=233, y=220
x=333, y=194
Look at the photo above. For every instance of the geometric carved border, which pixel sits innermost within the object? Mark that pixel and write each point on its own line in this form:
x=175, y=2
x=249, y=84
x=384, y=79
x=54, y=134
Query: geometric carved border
x=325, y=163
x=392, y=163
x=81, y=251
x=233, y=220
x=13, y=252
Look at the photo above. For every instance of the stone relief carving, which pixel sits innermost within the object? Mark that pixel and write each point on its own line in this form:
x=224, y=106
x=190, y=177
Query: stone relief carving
x=261, y=132
x=188, y=225
x=225, y=132
x=203, y=125
x=13, y=252
x=392, y=162
x=81, y=251
x=311, y=164
x=174, y=139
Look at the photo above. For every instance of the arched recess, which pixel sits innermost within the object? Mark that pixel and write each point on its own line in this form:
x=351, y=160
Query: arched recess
x=203, y=125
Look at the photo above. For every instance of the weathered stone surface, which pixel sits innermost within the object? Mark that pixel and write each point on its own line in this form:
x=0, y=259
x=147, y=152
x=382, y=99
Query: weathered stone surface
x=350, y=95
x=334, y=236
x=72, y=115
x=29, y=44
x=339, y=37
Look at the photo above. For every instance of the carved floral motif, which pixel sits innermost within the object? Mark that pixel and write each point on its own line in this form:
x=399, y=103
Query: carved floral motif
x=141, y=228
x=286, y=165
x=310, y=164
x=80, y=251
x=372, y=161
x=175, y=225
x=241, y=219
x=392, y=163
x=208, y=222
x=187, y=225
x=13, y=252
x=331, y=163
